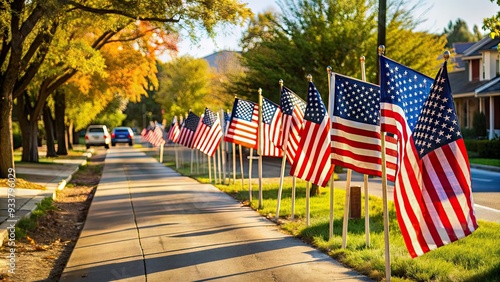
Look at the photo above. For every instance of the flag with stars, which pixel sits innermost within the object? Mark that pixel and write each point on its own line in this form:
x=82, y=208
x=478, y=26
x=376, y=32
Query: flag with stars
x=244, y=124
x=355, y=132
x=173, y=133
x=312, y=161
x=188, y=129
x=271, y=129
x=403, y=93
x=432, y=192
x=209, y=133
x=227, y=119
x=293, y=108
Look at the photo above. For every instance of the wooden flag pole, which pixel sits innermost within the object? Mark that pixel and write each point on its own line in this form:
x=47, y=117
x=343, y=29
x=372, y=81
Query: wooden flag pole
x=250, y=176
x=209, y=170
x=280, y=189
x=381, y=51
x=365, y=177
x=346, y=208
x=219, y=162
x=233, y=147
x=332, y=178
x=282, y=174
x=215, y=168
x=308, y=206
x=161, y=153
x=294, y=181
x=259, y=148
x=176, y=150
x=192, y=162
x=223, y=146
x=241, y=167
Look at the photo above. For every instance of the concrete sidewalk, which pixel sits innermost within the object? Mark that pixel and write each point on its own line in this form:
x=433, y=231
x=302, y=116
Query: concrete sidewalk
x=53, y=176
x=148, y=223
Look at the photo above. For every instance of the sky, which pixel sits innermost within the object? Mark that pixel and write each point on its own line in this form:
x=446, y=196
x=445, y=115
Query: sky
x=436, y=13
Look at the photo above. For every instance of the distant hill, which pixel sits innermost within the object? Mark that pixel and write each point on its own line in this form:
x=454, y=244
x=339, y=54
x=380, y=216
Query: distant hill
x=216, y=59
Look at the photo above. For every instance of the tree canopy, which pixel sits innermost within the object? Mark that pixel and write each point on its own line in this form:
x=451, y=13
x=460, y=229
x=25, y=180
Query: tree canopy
x=459, y=32
x=28, y=28
x=184, y=85
x=493, y=23
x=310, y=35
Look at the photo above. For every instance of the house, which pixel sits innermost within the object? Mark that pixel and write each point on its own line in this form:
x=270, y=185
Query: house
x=476, y=83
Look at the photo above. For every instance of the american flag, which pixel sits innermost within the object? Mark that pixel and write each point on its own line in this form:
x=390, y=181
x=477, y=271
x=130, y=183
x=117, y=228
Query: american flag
x=403, y=93
x=209, y=133
x=271, y=129
x=293, y=108
x=156, y=137
x=227, y=119
x=244, y=124
x=173, y=133
x=355, y=133
x=432, y=193
x=312, y=161
x=188, y=129
x=144, y=135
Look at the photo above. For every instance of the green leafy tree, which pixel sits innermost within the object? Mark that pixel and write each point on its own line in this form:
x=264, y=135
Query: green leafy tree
x=310, y=35
x=28, y=28
x=183, y=86
x=493, y=23
x=459, y=32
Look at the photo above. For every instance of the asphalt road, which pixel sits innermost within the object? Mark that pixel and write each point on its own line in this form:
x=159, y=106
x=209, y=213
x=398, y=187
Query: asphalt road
x=485, y=184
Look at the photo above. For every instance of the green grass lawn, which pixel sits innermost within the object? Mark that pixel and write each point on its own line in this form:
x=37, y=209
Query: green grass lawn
x=491, y=162
x=474, y=258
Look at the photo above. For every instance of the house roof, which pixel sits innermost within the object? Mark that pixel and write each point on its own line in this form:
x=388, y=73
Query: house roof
x=487, y=43
x=460, y=48
x=490, y=86
x=460, y=83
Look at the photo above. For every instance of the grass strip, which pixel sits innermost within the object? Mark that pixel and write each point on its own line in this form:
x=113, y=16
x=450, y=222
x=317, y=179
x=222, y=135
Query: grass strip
x=474, y=258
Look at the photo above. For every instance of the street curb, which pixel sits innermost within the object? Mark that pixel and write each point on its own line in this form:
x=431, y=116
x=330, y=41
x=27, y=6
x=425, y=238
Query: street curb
x=30, y=206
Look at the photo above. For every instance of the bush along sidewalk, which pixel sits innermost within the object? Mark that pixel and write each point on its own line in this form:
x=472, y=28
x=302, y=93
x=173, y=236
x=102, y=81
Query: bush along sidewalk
x=29, y=223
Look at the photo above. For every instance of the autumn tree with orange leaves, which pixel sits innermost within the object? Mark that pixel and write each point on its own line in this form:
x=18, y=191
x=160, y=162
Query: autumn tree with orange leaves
x=30, y=30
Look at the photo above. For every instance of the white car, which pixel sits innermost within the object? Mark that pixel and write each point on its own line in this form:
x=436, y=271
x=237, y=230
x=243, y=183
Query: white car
x=97, y=135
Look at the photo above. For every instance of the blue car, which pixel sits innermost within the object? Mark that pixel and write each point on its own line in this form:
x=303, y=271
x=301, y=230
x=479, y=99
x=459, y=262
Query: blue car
x=122, y=135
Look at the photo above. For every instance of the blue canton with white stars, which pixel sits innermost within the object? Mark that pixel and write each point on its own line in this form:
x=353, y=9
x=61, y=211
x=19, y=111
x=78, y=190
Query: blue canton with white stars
x=404, y=87
x=244, y=110
x=289, y=100
x=227, y=119
x=315, y=110
x=357, y=100
x=209, y=118
x=191, y=122
x=438, y=121
x=268, y=110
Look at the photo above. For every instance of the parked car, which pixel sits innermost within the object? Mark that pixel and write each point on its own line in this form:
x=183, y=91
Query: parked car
x=122, y=135
x=97, y=135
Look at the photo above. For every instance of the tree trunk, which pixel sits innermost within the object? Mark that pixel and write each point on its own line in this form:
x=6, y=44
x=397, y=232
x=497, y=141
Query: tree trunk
x=76, y=135
x=49, y=131
x=29, y=129
x=69, y=137
x=60, y=109
x=6, y=147
x=314, y=190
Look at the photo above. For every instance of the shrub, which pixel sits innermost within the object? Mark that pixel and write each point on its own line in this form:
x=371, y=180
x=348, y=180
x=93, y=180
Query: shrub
x=489, y=149
x=479, y=124
x=468, y=133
